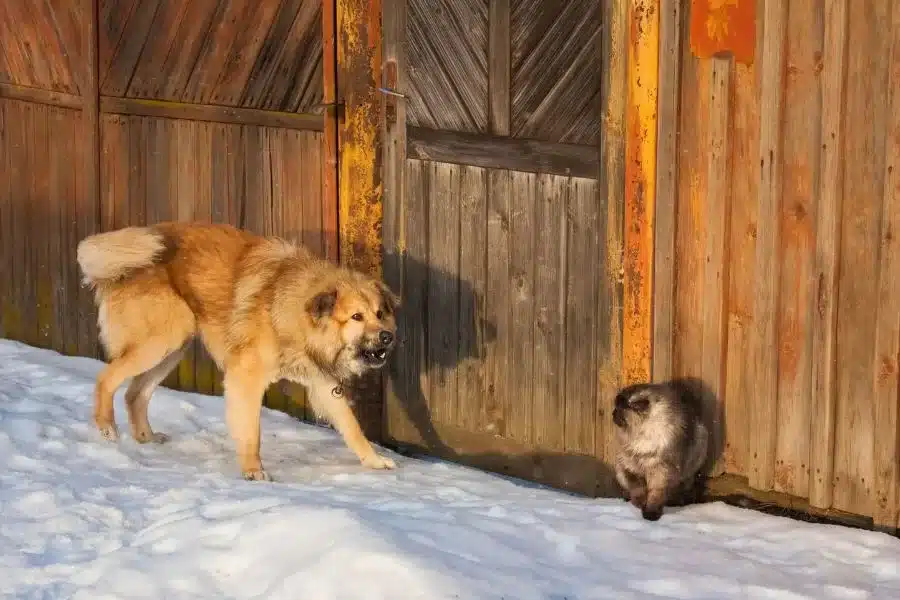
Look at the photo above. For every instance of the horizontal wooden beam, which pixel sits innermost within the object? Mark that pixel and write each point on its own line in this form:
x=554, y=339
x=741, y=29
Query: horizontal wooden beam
x=214, y=114
x=170, y=110
x=500, y=152
x=39, y=96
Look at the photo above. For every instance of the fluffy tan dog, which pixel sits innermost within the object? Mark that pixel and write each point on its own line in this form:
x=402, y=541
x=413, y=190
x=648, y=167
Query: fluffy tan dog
x=264, y=308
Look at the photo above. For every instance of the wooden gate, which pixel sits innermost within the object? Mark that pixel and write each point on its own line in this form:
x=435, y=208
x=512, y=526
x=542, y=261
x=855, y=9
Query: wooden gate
x=500, y=234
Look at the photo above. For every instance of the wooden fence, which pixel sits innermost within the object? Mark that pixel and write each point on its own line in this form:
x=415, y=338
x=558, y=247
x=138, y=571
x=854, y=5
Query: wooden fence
x=119, y=112
x=776, y=265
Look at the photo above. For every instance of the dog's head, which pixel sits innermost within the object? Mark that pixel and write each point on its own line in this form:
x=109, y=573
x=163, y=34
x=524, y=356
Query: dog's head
x=356, y=315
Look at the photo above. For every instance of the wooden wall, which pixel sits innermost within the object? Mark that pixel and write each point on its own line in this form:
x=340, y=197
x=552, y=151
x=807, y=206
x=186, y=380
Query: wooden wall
x=776, y=264
x=123, y=112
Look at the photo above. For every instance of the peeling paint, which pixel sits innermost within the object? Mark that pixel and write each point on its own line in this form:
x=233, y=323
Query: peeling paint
x=640, y=189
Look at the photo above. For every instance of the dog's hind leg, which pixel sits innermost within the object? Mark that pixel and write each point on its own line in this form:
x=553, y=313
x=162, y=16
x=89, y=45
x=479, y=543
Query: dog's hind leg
x=137, y=398
x=131, y=363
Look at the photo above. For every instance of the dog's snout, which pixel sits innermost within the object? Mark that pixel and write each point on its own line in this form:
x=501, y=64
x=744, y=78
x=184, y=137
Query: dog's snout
x=385, y=337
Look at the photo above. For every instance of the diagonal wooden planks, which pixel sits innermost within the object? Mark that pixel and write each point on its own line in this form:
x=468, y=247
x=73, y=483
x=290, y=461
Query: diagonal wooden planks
x=447, y=53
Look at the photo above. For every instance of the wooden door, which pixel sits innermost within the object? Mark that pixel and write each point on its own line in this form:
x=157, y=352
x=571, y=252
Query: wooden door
x=498, y=236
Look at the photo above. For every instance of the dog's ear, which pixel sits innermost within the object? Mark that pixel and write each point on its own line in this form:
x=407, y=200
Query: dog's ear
x=388, y=297
x=322, y=303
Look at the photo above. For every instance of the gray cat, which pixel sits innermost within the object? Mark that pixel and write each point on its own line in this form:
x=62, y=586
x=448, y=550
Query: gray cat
x=664, y=443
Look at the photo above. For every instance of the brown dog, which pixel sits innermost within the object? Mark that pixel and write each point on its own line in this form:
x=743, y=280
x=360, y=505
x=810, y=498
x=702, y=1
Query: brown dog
x=264, y=308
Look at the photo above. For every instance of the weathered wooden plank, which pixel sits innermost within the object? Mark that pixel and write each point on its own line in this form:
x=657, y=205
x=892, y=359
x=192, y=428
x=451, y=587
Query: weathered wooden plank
x=640, y=188
x=442, y=325
x=743, y=187
x=609, y=313
x=51, y=49
x=41, y=214
x=828, y=250
x=228, y=18
x=128, y=51
x=6, y=221
x=518, y=402
x=582, y=404
x=14, y=159
x=715, y=257
x=763, y=422
x=667, y=162
x=287, y=59
x=551, y=228
x=215, y=114
x=26, y=46
x=869, y=39
x=494, y=152
x=691, y=230
x=556, y=73
x=497, y=302
x=69, y=134
x=331, y=138
x=800, y=170
x=886, y=484
x=34, y=149
x=242, y=50
x=499, y=73
x=192, y=33
x=447, y=50
x=473, y=332
x=150, y=70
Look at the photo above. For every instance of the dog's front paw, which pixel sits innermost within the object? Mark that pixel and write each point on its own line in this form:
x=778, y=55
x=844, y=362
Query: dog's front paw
x=108, y=431
x=378, y=462
x=256, y=475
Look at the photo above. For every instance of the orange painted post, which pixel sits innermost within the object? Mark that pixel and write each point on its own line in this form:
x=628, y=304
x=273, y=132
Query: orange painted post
x=640, y=188
x=359, y=165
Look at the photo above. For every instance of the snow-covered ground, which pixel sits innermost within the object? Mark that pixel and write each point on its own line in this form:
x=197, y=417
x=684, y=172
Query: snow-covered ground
x=84, y=518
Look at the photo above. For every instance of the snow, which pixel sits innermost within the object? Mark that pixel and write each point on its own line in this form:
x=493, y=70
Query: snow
x=84, y=518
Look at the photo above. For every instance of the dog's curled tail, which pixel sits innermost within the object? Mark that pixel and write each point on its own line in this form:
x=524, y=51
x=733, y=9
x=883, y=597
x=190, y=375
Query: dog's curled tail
x=116, y=254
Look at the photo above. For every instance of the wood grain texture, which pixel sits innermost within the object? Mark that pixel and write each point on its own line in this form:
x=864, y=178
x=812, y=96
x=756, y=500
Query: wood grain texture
x=828, y=249
x=43, y=43
x=499, y=57
x=886, y=438
x=555, y=71
x=869, y=42
x=800, y=172
x=666, y=189
x=447, y=49
x=764, y=340
x=236, y=53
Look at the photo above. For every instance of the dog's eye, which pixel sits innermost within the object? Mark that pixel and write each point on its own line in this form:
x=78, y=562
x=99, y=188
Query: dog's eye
x=357, y=317
x=379, y=314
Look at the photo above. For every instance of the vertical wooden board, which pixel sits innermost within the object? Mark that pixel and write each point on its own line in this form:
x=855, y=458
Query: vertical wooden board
x=443, y=290
x=206, y=142
x=744, y=148
x=667, y=160
x=715, y=259
x=256, y=189
x=886, y=510
x=137, y=180
x=519, y=401
x=866, y=113
x=71, y=134
x=42, y=214
x=610, y=249
x=472, y=282
x=764, y=356
x=828, y=248
x=309, y=158
x=30, y=205
x=413, y=389
x=497, y=302
x=690, y=237
x=330, y=134
x=584, y=419
x=551, y=210
x=14, y=139
x=184, y=166
x=800, y=170
x=57, y=194
x=5, y=219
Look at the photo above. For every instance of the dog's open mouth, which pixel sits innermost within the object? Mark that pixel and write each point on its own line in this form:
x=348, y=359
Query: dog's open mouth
x=375, y=357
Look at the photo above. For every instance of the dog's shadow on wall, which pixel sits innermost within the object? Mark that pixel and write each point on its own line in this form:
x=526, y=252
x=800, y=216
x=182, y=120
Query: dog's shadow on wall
x=431, y=346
